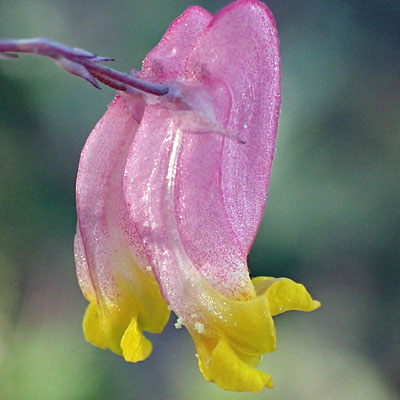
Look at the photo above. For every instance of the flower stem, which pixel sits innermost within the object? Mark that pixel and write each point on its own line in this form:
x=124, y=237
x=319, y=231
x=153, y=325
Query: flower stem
x=81, y=63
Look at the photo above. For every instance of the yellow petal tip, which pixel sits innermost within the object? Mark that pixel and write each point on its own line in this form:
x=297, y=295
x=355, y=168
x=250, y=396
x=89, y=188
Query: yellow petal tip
x=91, y=327
x=135, y=347
x=285, y=295
x=316, y=305
x=229, y=372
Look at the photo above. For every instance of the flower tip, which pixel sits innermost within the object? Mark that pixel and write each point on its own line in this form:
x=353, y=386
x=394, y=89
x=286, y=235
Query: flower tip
x=135, y=347
x=316, y=305
x=92, y=329
x=225, y=367
x=269, y=384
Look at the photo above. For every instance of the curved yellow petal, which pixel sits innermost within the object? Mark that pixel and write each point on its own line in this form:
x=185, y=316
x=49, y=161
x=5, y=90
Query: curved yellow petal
x=119, y=326
x=229, y=372
x=285, y=295
x=246, y=323
x=235, y=334
x=135, y=347
x=91, y=327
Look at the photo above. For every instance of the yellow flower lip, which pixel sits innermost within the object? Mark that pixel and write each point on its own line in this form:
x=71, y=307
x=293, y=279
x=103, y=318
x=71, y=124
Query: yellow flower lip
x=238, y=332
x=231, y=341
x=228, y=371
x=119, y=328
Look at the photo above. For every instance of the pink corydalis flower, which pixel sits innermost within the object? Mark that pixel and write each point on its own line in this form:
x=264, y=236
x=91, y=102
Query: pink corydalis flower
x=170, y=194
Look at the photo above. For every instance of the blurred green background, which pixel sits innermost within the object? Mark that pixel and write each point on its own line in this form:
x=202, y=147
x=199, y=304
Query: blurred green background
x=332, y=220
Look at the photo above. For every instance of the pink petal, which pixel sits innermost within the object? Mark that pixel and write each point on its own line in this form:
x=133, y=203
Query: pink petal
x=102, y=218
x=150, y=194
x=82, y=268
x=197, y=200
x=202, y=219
x=102, y=212
x=166, y=60
x=237, y=57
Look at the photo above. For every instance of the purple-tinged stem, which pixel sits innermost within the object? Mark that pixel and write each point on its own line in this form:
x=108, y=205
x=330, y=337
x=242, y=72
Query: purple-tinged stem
x=81, y=63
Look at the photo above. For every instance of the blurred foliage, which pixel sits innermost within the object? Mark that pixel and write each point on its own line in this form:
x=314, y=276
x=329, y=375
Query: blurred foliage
x=332, y=220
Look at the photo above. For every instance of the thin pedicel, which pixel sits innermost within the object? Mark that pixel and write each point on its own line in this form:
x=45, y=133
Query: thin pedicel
x=80, y=63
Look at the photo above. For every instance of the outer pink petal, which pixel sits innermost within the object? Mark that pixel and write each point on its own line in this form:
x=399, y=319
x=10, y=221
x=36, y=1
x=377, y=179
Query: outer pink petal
x=101, y=207
x=206, y=217
x=237, y=57
x=149, y=189
x=166, y=60
x=82, y=268
x=102, y=219
x=203, y=222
